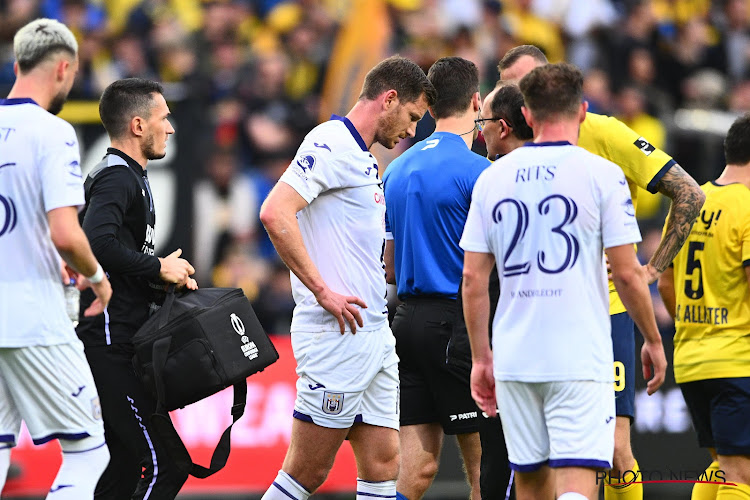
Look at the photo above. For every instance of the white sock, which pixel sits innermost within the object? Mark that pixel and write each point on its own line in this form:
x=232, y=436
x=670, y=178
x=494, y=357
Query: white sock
x=371, y=490
x=80, y=469
x=4, y=465
x=572, y=496
x=285, y=487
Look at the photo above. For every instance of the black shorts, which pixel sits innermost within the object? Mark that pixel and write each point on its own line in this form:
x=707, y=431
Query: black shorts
x=140, y=466
x=719, y=409
x=623, y=348
x=431, y=391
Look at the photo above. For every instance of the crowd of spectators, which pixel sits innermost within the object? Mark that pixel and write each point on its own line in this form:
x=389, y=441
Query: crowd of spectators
x=257, y=68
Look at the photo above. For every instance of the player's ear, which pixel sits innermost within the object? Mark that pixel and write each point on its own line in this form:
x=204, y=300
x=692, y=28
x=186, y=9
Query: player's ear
x=584, y=109
x=137, y=126
x=432, y=113
x=60, y=68
x=527, y=116
x=389, y=99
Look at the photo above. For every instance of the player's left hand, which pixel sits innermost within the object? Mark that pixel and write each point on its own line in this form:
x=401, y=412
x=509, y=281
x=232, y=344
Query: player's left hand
x=652, y=355
x=483, y=386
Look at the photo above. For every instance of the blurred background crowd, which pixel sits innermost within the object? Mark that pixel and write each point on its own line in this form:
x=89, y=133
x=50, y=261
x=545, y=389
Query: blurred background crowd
x=257, y=75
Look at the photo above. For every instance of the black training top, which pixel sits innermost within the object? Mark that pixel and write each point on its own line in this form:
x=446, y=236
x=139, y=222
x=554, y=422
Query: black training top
x=118, y=220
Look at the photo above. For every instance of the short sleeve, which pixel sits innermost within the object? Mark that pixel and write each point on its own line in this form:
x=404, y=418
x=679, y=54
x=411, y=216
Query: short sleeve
x=619, y=226
x=312, y=172
x=608, y=137
x=60, y=168
x=475, y=237
x=746, y=242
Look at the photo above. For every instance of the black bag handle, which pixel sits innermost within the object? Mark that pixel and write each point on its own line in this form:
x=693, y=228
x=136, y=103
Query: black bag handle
x=163, y=425
x=167, y=306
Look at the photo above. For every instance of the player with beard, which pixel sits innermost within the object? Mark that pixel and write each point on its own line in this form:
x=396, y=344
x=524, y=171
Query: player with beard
x=119, y=221
x=44, y=378
x=326, y=218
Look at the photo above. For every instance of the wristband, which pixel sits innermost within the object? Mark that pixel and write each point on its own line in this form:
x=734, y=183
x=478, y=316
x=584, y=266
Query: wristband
x=98, y=276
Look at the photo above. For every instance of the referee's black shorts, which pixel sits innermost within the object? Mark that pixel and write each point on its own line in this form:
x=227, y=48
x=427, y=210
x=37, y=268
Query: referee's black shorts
x=431, y=391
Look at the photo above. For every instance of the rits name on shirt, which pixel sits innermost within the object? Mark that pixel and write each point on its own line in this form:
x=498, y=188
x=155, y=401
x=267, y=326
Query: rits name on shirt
x=702, y=314
x=536, y=173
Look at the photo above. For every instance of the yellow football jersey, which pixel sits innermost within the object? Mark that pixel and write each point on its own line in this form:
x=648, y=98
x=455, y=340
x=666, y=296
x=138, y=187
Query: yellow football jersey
x=712, y=307
x=643, y=164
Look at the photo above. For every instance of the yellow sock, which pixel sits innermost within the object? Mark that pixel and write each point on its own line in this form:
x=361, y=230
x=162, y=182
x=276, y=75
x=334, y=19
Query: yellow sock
x=738, y=492
x=631, y=491
x=702, y=491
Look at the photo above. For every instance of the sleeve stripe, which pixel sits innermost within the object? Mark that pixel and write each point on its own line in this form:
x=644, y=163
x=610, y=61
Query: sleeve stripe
x=746, y=263
x=651, y=188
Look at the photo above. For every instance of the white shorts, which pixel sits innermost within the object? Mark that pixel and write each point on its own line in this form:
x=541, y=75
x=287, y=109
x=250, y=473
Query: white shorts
x=344, y=379
x=560, y=424
x=51, y=389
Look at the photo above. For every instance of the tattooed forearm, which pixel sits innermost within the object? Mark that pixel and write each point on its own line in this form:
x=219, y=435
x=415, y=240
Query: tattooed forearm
x=687, y=200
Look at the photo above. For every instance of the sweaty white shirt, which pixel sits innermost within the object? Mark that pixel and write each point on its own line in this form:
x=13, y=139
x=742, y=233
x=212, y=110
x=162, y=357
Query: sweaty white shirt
x=546, y=212
x=39, y=171
x=343, y=227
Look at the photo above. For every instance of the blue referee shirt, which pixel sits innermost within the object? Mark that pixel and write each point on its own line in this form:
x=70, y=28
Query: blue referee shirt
x=427, y=196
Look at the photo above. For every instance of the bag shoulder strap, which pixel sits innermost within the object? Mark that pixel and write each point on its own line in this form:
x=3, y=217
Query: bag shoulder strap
x=171, y=440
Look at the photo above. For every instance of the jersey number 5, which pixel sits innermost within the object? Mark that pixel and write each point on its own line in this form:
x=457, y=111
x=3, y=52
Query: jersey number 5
x=693, y=263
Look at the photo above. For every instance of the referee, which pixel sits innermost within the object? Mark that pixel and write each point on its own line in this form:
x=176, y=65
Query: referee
x=428, y=192
x=119, y=221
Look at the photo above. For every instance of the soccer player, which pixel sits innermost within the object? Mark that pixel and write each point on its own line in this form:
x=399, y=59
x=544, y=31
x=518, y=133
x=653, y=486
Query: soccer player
x=119, y=221
x=325, y=217
x=504, y=129
x=707, y=293
x=545, y=212
x=44, y=378
x=427, y=193
x=653, y=170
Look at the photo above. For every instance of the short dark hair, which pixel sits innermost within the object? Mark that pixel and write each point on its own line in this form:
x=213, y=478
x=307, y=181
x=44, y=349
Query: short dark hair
x=506, y=104
x=737, y=142
x=553, y=90
x=455, y=80
x=516, y=53
x=125, y=99
x=399, y=74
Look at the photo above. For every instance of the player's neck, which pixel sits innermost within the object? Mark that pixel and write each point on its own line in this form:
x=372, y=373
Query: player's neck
x=735, y=174
x=364, y=116
x=462, y=126
x=132, y=149
x=32, y=89
x=556, y=131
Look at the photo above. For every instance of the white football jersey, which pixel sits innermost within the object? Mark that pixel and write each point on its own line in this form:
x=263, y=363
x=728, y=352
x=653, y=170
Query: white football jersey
x=343, y=226
x=547, y=211
x=39, y=171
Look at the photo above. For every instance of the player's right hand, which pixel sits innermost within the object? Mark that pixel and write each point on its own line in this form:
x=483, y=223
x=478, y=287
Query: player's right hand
x=174, y=269
x=652, y=355
x=343, y=308
x=103, y=292
x=483, y=386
